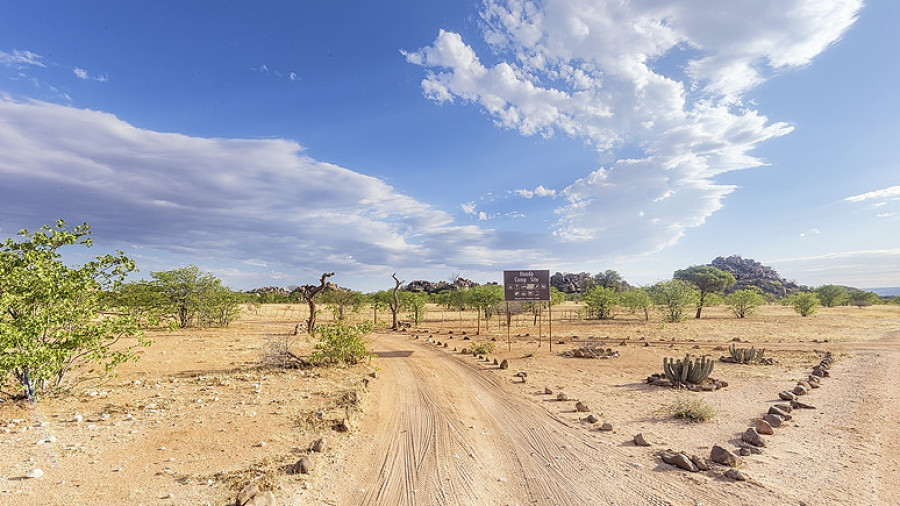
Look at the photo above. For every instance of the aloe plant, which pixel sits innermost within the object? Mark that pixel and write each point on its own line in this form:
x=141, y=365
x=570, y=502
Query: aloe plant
x=682, y=372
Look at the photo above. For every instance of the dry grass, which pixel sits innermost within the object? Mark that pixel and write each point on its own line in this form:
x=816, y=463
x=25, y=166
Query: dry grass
x=692, y=408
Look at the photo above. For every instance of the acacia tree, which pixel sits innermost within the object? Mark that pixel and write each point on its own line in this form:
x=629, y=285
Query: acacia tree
x=195, y=299
x=601, y=301
x=744, y=302
x=484, y=298
x=636, y=299
x=707, y=279
x=51, y=315
x=308, y=294
x=672, y=298
x=831, y=295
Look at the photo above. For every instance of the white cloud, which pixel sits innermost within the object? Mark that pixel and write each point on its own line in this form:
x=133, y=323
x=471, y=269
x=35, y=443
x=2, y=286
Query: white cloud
x=594, y=70
x=80, y=73
x=890, y=193
x=540, y=191
x=812, y=231
x=468, y=207
x=220, y=200
x=20, y=58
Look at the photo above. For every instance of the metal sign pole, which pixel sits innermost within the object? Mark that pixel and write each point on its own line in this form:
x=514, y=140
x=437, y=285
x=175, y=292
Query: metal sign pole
x=550, y=317
x=508, y=344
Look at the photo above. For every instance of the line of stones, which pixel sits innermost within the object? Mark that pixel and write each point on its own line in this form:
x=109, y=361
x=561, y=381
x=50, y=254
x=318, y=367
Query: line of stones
x=752, y=439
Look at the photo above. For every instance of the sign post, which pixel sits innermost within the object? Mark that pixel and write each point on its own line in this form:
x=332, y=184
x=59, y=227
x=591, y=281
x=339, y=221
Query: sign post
x=526, y=286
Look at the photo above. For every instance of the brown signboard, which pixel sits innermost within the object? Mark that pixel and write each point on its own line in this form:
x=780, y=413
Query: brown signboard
x=525, y=285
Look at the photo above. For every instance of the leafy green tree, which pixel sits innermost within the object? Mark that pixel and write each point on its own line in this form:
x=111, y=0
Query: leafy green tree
x=637, y=299
x=415, y=304
x=831, y=295
x=805, y=303
x=610, y=279
x=601, y=301
x=744, y=302
x=139, y=298
x=707, y=279
x=484, y=298
x=341, y=302
x=862, y=298
x=379, y=301
x=672, y=298
x=195, y=299
x=51, y=315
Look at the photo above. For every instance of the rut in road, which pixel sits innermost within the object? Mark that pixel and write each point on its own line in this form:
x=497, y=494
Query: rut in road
x=445, y=431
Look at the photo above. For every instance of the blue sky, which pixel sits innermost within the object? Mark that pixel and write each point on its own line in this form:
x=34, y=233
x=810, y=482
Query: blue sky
x=270, y=142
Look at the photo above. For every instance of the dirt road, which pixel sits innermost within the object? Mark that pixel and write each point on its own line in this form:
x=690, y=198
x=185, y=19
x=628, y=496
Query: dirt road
x=445, y=431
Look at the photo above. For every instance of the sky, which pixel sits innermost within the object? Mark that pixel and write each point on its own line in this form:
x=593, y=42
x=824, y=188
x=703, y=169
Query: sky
x=269, y=142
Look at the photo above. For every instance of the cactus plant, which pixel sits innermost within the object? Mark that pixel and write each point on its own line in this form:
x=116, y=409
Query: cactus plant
x=682, y=372
x=745, y=356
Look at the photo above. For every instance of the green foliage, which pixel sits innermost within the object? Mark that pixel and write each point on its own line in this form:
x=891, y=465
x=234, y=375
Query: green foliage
x=635, y=300
x=805, y=303
x=342, y=343
x=609, y=279
x=862, y=298
x=831, y=295
x=690, y=408
x=743, y=303
x=52, y=319
x=341, y=302
x=483, y=347
x=707, y=279
x=682, y=372
x=672, y=298
x=195, y=299
x=745, y=356
x=484, y=298
x=415, y=304
x=601, y=302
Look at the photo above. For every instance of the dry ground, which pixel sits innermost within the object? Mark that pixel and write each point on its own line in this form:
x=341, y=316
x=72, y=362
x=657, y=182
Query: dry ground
x=196, y=418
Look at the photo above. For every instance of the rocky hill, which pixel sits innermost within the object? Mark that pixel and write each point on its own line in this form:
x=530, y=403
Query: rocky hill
x=749, y=272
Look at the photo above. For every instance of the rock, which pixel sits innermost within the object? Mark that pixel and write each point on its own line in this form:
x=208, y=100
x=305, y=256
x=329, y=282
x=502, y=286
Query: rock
x=496, y=362
x=581, y=407
x=786, y=396
x=344, y=426
x=606, y=427
x=305, y=465
x=266, y=498
x=799, y=390
x=763, y=427
x=592, y=418
x=813, y=383
x=776, y=411
x=737, y=475
x=784, y=407
x=35, y=473
x=725, y=457
x=680, y=460
x=504, y=364
x=318, y=445
x=641, y=440
x=752, y=437
x=523, y=375
x=774, y=421
x=745, y=452
x=246, y=494
x=374, y=374
x=547, y=390
x=700, y=462
x=751, y=450
x=562, y=396
x=802, y=405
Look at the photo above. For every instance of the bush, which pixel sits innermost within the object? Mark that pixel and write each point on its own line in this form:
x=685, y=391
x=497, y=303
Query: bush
x=744, y=302
x=805, y=303
x=690, y=408
x=602, y=302
x=342, y=343
x=483, y=347
x=52, y=317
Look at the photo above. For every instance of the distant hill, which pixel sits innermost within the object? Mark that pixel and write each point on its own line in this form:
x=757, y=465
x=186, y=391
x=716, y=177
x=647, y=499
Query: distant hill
x=749, y=272
x=885, y=291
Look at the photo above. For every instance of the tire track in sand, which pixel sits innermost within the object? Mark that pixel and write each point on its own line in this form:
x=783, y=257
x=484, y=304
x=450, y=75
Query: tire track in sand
x=445, y=432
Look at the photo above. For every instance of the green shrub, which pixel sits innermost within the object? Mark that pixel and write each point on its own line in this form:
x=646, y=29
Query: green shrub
x=342, y=343
x=483, y=347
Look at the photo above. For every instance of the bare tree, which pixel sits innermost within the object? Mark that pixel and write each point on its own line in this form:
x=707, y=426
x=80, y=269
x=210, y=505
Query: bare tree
x=308, y=293
x=394, y=303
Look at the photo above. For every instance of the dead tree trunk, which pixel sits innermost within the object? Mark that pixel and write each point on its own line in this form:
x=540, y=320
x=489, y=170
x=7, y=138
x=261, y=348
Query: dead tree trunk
x=309, y=293
x=394, y=303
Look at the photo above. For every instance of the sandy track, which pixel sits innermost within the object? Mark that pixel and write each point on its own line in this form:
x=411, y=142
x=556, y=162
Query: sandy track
x=445, y=431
